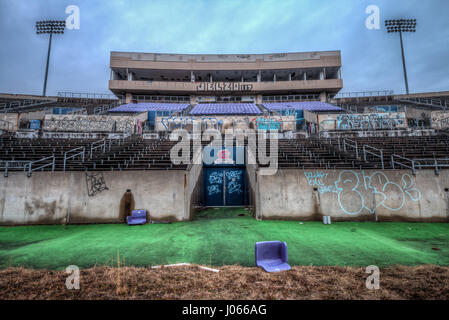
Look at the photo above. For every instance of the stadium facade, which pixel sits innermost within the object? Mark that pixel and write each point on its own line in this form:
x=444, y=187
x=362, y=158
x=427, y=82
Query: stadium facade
x=225, y=78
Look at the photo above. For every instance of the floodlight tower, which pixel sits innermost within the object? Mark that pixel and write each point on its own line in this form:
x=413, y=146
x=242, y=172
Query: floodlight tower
x=49, y=27
x=401, y=25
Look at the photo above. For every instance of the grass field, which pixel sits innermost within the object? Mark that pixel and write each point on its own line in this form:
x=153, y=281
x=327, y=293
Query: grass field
x=221, y=237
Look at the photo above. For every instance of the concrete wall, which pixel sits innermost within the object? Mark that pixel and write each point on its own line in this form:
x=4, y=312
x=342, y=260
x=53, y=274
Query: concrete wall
x=367, y=121
x=440, y=120
x=193, y=185
x=355, y=195
x=251, y=178
x=283, y=123
x=48, y=197
x=92, y=123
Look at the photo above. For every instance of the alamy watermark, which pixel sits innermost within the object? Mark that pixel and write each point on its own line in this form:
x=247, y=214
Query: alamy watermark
x=73, y=20
x=373, y=280
x=73, y=280
x=372, y=22
x=257, y=147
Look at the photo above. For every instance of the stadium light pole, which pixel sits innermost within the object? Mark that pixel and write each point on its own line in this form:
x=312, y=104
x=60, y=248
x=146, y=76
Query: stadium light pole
x=400, y=26
x=49, y=27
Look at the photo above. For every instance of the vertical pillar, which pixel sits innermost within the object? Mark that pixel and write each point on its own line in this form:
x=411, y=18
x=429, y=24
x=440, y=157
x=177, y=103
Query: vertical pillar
x=192, y=76
x=323, y=96
x=289, y=77
x=305, y=76
x=274, y=77
x=130, y=75
x=128, y=97
x=259, y=76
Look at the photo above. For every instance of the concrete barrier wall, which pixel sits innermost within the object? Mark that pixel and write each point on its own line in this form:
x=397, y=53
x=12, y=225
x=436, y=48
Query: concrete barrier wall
x=193, y=185
x=355, y=195
x=49, y=197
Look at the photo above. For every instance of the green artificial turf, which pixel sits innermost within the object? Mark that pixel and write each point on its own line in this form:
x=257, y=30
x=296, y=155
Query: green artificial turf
x=222, y=237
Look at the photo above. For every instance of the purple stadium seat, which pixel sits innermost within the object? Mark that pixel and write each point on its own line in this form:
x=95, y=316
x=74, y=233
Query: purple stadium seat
x=138, y=217
x=272, y=256
x=309, y=106
x=144, y=106
x=225, y=108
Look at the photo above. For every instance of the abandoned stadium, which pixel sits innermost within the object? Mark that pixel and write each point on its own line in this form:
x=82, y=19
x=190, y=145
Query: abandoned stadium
x=371, y=156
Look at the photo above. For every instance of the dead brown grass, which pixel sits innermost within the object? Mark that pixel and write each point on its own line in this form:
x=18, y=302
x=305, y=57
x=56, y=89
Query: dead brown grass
x=233, y=282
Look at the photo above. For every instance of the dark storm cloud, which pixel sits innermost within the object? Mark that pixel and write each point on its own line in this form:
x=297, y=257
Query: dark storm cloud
x=80, y=58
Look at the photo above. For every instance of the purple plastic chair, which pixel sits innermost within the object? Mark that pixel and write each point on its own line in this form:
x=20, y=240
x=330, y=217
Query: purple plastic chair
x=272, y=256
x=138, y=217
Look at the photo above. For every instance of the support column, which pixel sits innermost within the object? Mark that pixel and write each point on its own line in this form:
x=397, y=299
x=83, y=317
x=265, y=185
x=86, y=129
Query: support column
x=129, y=75
x=128, y=97
x=305, y=76
x=259, y=76
x=289, y=77
x=323, y=97
x=192, y=76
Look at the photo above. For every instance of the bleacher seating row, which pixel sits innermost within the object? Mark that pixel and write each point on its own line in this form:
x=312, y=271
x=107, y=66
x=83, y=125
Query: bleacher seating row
x=135, y=153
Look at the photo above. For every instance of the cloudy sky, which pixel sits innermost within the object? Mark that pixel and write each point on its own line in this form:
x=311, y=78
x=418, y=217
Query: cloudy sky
x=80, y=58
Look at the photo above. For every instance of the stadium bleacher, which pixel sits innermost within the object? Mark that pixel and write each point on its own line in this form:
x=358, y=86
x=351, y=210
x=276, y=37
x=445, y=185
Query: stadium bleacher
x=313, y=106
x=225, y=108
x=149, y=106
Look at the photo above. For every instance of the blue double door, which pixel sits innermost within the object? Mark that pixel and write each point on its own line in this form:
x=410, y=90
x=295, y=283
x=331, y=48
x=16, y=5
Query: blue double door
x=224, y=186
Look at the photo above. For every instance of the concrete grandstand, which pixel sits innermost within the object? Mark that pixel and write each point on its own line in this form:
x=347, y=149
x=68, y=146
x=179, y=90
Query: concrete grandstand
x=378, y=155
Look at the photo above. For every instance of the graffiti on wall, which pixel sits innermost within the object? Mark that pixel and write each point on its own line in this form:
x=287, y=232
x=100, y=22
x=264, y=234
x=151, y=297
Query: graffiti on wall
x=83, y=123
x=370, y=121
x=213, y=189
x=172, y=122
x=356, y=191
x=265, y=124
x=95, y=183
x=440, y=120
x=215, y=183
x=234, y=178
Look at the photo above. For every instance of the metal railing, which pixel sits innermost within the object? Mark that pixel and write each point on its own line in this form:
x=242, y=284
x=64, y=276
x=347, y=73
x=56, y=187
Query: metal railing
x=22, y=104
x=431, y=102
x=432, y=163
x=52, y=164
x=81, y=153
x=119, y=140
x=411, y=166
x=13, y=164
x=380, y=155
x=97, y=145
x=108, y=96
x=380, y=93
x=353, y=144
